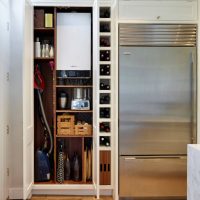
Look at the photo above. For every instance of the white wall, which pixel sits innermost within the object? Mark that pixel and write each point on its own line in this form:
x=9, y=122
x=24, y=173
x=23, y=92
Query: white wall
x=4, y=96
x=16, y=100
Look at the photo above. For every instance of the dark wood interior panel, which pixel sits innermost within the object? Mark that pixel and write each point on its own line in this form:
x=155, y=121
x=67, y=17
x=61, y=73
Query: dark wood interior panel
x=72, y=146
x=47, y=98
x=105, y=167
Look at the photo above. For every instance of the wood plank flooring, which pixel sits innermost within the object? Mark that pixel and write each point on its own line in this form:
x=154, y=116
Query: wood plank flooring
x=68, y=198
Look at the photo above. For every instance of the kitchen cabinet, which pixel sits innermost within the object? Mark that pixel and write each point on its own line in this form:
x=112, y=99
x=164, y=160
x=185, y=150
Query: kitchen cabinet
x=181, y=10
x=66, y=97
x=56, y=83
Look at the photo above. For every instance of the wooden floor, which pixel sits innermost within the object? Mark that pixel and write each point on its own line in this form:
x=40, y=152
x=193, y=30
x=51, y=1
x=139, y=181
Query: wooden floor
x=68, y=198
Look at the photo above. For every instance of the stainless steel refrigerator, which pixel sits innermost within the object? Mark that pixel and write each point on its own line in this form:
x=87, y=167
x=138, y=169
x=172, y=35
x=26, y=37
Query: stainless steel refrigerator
x=157, y=108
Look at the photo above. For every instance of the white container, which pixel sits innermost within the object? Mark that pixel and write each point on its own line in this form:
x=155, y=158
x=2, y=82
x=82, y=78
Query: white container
x=43, y=50
x=37, y=48
x=51, y=52
x=73, y=41
x=46, y=50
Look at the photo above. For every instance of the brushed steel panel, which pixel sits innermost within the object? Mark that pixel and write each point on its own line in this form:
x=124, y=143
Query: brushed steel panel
x=152, y=177
x=157, y=101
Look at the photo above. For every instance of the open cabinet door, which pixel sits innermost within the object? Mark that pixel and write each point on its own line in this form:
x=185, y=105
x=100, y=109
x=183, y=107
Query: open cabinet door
x=96, y=97
x=28, y=120
x=4, y=106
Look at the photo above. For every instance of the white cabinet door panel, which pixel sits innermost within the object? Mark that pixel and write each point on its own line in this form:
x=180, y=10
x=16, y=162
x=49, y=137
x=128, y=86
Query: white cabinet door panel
x=158, y=10
x=28, y=121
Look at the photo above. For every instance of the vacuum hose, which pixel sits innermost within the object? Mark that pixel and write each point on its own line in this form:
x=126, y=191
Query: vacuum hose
x=45, y=121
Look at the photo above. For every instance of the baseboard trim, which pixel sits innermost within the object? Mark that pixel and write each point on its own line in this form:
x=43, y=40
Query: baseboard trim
x=16, y=193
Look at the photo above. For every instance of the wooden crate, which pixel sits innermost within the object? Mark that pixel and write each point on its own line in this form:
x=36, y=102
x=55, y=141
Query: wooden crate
x=65, y=125
x=85, y=129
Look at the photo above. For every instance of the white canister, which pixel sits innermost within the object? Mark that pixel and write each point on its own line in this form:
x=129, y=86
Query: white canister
x=37, y=48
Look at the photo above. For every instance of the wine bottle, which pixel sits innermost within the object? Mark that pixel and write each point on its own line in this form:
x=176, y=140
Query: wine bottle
x=76, y=168
x=104, y=127
x=105, y=99
x=102, y=85
x=104, y=27
x=104, y=42
x=104, y=112
x=105, y=55
x=107, y=87
x=105, y=70
x=104, y=141
x=67, y=168
x=104, y=12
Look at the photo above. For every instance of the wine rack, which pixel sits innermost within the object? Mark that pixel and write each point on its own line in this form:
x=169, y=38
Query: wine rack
x=105, y=70
x=105, y=94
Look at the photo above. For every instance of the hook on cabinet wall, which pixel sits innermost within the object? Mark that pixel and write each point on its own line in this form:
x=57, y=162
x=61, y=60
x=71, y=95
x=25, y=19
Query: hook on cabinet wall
x=52, y=65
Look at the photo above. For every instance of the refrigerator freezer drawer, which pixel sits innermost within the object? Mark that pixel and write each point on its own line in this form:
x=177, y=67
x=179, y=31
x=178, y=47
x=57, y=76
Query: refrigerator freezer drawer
x=154, y=177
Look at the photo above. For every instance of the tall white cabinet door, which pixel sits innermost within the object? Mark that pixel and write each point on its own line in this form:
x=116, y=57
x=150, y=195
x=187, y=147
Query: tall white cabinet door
x=95, y=97
x=28, y=120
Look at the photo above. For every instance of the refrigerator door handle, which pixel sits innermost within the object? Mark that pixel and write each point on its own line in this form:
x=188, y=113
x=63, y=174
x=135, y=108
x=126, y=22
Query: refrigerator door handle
x=193, y=97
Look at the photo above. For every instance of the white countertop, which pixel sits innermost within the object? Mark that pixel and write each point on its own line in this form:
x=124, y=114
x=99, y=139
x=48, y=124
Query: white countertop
x=193, y=172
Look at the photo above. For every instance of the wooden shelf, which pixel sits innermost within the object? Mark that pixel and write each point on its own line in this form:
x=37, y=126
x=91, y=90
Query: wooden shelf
x=44, y=29
x=71, y=136
x=105, y=19
x=65, y=182
x=74, y=111
x=45, y=59
x=75, y=182
x=74, y=77
x=105, y=34
x=45, y=182
x=74, y=86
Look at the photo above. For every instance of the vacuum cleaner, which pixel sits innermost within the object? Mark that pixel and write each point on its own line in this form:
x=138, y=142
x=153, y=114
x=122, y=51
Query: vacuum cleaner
x=42, y=163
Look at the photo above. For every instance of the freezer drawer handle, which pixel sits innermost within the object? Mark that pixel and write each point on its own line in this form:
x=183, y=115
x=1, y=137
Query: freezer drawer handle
x=132, y=158
x=155, y=157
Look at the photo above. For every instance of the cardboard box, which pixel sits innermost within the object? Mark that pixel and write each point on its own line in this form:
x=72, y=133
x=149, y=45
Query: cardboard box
x=39, y=18
x=48, y=20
